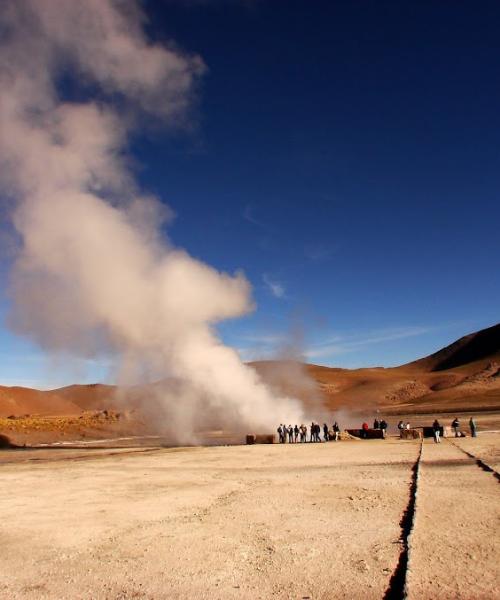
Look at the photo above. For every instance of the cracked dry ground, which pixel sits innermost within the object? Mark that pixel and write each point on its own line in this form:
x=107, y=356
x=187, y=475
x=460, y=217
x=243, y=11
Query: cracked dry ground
x=295, y=521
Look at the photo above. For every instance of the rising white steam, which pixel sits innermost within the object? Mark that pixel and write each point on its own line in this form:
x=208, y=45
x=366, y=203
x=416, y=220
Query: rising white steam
x=93, y=273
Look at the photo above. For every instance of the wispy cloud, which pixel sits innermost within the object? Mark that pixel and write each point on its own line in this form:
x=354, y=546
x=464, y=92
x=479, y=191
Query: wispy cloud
x=319, y=251
x=337, y=345
x=276, y=288
x=249, y=215
x=263, y=339
x=264, y=345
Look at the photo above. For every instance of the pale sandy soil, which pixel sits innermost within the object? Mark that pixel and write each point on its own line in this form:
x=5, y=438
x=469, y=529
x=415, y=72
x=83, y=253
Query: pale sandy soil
x=295, y=521
x=455, y=550
x=484, y=447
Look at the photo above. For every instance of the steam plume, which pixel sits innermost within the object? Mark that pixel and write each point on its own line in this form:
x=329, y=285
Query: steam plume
x=93, y=274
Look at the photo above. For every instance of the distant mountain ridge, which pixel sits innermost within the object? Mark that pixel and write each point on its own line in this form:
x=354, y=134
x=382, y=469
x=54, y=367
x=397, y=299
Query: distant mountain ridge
x=481, y=345
x=464, y=373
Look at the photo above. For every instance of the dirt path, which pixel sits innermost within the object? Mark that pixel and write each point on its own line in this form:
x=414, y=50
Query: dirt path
x=314, y=521
x=484, y=447
x=454, y=546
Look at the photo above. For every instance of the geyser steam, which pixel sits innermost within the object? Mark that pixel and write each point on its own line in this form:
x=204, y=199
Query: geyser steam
x=92, y=274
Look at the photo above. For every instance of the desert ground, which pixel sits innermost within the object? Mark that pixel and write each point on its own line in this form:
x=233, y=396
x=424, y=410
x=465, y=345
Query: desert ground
x=95, y=505
x=353, y=519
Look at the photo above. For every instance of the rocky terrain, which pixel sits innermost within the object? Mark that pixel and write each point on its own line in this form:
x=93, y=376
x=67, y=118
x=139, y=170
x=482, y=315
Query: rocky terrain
x=464, y=376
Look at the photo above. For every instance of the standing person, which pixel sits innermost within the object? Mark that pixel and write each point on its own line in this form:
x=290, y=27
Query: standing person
x=296, y=433
x=312, y=437
x=436, y=429
x=376, y=423
x=473, y=427
x=303, y=433
x=455, y=425
x=280, y=433
x=401, y=426
x=364, y=430
x=290, y=434
x=325, y=432
x=336, y=431
x=383, y=427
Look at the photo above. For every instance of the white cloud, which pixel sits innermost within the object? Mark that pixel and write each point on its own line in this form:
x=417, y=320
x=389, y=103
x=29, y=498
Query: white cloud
x=276, y=288
x=92, y=275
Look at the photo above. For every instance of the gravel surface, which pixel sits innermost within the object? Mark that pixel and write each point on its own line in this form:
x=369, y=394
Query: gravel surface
x=296, y=521
x=455, y=546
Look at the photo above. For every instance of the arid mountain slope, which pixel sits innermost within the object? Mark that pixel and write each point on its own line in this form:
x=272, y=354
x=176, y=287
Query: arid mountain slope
x=482, y=345
x=69, y=400
x=463, y=375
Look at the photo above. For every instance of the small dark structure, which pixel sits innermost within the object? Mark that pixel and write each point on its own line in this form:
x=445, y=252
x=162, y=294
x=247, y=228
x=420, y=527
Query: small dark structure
x=367, y=434
x=265, y=438
x=428, y=432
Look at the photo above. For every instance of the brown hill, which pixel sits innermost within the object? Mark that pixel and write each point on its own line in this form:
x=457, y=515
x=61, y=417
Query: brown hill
x=481, y=345
x=465, y=374
x=69, y=400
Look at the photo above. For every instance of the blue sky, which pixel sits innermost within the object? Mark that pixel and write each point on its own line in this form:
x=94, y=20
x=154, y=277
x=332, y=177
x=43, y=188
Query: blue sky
x=345, y=156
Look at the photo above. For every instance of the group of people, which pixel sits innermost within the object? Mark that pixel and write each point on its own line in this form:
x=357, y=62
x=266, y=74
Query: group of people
x=455, y=425
x=294, y=435
x=382, y=425
x=402, y=425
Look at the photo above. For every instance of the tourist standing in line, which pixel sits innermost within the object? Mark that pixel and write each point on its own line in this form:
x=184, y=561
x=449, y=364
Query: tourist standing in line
x=455, y=425
x=290, y=434
x=296, y=433
x=436, y=429
x=336, y=431
x=325, y=432
x=473, y=428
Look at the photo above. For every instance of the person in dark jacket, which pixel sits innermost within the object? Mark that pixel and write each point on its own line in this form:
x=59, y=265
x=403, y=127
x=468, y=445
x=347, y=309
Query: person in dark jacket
x=455, y=425
x=436, y=429
x=325, y=431
x=383, y=427
x=472, y=426
x=336, y=431
x=376, y=424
